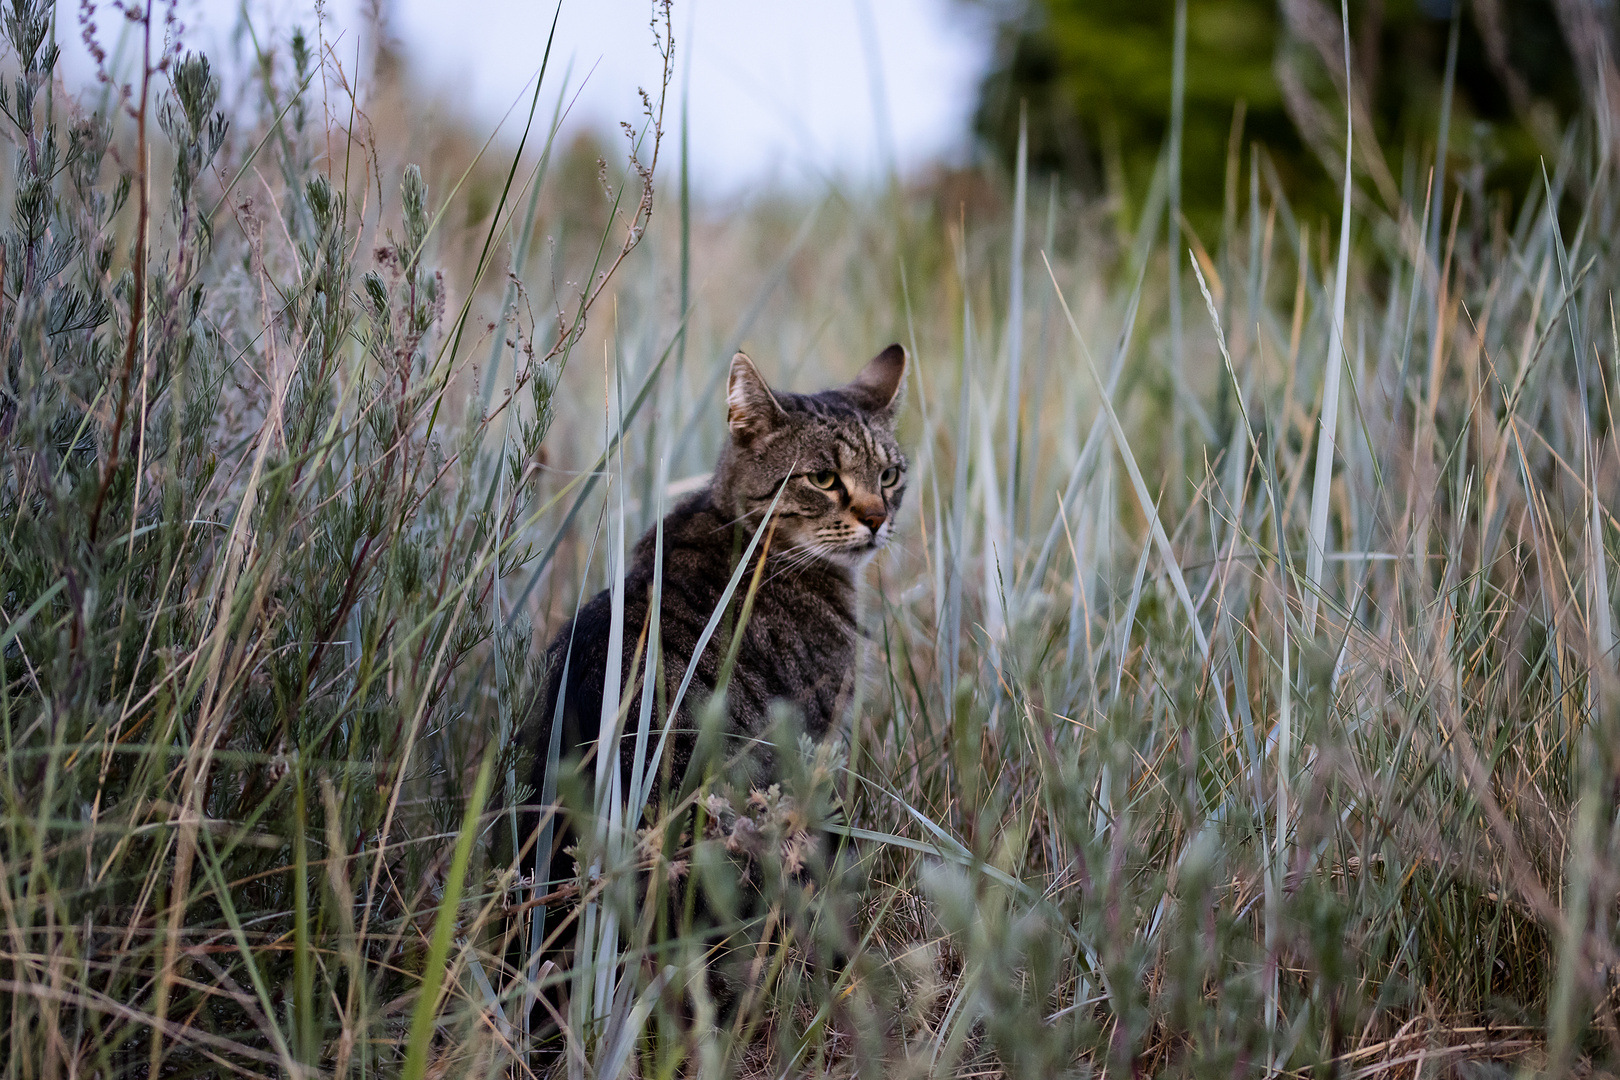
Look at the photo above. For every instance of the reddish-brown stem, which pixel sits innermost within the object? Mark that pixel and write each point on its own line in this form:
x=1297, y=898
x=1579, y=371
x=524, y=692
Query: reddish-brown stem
x=137, y=302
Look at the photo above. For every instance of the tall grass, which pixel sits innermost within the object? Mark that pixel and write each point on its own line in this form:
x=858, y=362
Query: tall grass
x=1284, y=750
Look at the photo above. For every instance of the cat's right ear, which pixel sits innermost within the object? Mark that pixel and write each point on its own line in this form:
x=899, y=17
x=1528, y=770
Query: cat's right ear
x=751, y=410
x=877, y=388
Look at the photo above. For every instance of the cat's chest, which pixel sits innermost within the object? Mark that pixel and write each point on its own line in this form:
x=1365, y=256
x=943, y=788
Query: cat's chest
x=799, y=639
x=801, y=645
x=820, y=612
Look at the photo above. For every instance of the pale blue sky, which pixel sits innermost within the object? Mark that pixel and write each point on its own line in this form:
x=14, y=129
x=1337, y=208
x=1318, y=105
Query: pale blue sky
x=780, y=92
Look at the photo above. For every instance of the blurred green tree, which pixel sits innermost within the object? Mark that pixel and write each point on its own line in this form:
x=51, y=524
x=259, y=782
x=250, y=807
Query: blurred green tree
x=1097, y=78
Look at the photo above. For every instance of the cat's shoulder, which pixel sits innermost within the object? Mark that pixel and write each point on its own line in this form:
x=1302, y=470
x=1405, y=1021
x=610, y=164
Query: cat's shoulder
x=693, y=523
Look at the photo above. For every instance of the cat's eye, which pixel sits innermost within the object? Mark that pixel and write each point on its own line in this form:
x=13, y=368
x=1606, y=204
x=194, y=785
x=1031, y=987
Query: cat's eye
x=891, y=476
x=826, y=479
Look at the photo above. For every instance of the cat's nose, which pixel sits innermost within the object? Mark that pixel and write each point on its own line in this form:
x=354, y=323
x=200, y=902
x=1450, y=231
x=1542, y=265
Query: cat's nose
x=872, y=517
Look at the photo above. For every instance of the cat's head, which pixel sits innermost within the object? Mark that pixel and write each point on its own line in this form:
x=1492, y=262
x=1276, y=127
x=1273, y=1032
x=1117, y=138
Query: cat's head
x=835, y=450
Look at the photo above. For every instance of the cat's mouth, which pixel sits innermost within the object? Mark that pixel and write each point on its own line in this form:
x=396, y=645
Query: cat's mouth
x=849, y=550
x=869, y=546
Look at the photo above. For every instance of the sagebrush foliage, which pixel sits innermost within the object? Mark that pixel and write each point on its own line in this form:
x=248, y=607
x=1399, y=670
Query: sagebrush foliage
x=243, y=563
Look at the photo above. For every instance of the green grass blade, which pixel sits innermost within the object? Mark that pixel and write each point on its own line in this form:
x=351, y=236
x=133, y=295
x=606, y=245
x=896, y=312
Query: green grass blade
x=424, y=1015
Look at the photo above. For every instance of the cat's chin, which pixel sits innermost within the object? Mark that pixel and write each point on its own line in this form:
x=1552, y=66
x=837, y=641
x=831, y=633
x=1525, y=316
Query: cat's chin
x=849, y=558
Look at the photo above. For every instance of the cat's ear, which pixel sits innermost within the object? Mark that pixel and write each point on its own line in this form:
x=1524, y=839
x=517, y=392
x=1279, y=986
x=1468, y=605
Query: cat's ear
x=751, y=411
x=877, y=388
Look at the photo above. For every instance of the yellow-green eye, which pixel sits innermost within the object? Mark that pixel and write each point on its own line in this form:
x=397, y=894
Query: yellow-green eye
x=891, y=476
x=825, y=479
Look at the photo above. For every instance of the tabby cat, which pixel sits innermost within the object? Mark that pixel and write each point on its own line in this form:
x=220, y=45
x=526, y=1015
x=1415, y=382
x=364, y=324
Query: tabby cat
x=832, y=465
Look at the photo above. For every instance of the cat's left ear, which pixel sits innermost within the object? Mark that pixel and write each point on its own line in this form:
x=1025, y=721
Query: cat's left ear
x=751, y=408
x=877, y=388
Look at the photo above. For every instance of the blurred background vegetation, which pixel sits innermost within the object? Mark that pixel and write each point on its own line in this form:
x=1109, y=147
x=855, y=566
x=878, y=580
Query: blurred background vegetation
x=1096, y=75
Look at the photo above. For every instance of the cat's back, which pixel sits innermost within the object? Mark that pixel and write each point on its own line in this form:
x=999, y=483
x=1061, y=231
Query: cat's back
x=797, y=645
x=698, y=560
x=577, y=657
